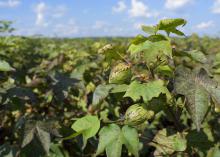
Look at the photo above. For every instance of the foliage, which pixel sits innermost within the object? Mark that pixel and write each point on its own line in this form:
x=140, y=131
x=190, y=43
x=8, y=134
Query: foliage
x=156, y=96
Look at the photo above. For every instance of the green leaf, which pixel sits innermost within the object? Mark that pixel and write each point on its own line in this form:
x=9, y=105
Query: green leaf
x=168, y=144
x=215, y=93
x=101, y=92
x=108, y=136
x=152, y=50
x=114, y=148
x=131, y=140
x=217, y=71
x=138, y=39
x=29, y=132
x=169, y=25
x=112, y=138
x=4, y=66
x=214, y=152
x=88, y=126
x=164, y=70
x=36, y=129
x=44, y=138
x=217, y=60
x=177, y=32
x=149, y=29
x=57, y=151
x=196, y=55
x=119, y=88
x=7, y=151
x=147, y=91
x=198, y=140
x=198, y=88
x=157, y=38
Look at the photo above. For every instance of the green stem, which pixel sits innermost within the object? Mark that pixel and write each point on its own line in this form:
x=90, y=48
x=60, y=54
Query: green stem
x=123, y=58
x=73, y=135
x=116, y=121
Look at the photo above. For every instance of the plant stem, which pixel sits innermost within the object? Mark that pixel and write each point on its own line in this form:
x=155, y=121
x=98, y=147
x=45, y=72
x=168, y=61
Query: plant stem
x=129, y=63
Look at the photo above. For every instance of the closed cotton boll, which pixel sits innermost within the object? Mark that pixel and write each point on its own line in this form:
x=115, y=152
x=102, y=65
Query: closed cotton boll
x=136, y=115
x=120, y=74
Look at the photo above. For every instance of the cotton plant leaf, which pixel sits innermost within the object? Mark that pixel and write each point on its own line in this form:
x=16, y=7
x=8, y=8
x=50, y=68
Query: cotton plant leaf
x=164, y=70
x=29, y=132
x=114, y=148
x=119, y=88
x=112, y=137
x=6, y=150
x=149, y=29
x=214, y=152
x=147, y=91
x=217, y=60
x=44, y=138
x=107, y=136
x=215, y=92
x=216, y=71
x=199, y=89
x=177, y=32
x=196, y=55
x=152, y=50
x=170, y=25
x=57, y=150
x=199, y=140
x=157, y=38
x=5, y=66
x=88, y=126
x=167, y=145
x=131, y=140
x=101, y=92
x=138, y=39
x=36, y=130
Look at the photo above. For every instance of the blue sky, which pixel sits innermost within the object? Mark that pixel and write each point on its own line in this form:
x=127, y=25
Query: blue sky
x=79, y=18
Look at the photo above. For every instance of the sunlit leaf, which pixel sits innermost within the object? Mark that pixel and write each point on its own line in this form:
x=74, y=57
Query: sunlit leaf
x=112, y=138
x=88, y=126
x=147, y=91
x=4, y=66
x=152, y=50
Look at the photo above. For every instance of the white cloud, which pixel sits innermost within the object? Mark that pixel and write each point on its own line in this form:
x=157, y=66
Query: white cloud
x=59, y=11
x=176, y=4
x=216, y=7
x=40, y=10
x=139, y=9
x=46, y=14
x=68, y=29
x=120, y=7
x=9, y=3
x=99, y=25
x=205, y=25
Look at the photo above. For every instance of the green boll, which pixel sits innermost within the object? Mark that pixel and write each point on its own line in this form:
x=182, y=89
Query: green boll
x=120, y=74
x=136, y=115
